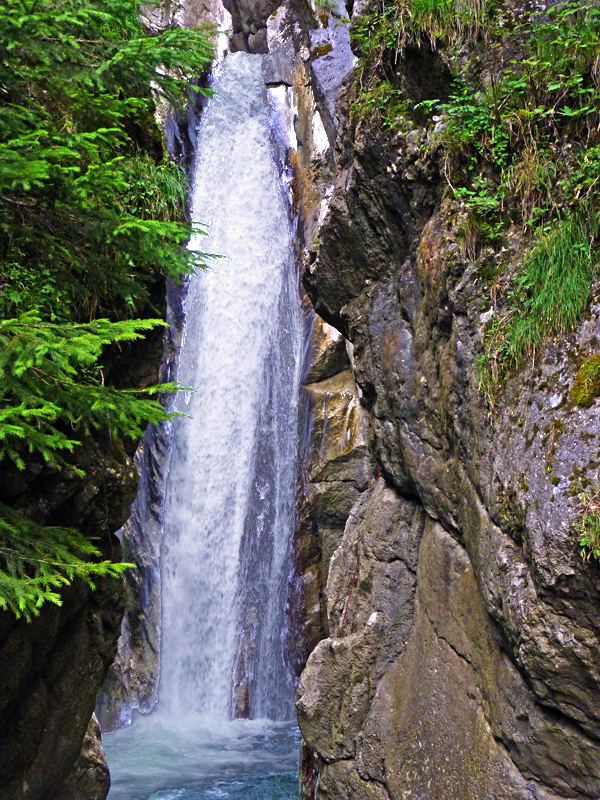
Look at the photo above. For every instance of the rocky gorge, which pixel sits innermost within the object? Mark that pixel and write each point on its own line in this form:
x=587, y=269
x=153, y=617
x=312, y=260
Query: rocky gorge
x=444, y=627
x=462, y=626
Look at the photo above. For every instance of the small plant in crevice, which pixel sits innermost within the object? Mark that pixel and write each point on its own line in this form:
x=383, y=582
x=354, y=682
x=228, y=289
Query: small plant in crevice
x=587, y=525
x=547, y=297
x=381, y=103
x=325, y=9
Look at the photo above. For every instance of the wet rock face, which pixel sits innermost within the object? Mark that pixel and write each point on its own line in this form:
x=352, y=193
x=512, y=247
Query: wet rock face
x=478, y=677
x=250, y=23
x=51, y=668
x=335, y=467
x=132, y=680
x=89, y=778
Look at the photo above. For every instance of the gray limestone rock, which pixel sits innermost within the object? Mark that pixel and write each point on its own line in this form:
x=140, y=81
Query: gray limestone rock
x=89, y=779
x=489, y=689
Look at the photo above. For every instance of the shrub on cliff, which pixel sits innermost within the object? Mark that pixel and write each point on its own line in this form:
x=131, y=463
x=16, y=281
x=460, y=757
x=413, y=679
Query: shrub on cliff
x=517, y=130
x=90, y=218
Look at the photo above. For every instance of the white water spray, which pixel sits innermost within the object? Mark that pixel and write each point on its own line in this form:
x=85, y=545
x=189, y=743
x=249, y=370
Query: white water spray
x=230, y=502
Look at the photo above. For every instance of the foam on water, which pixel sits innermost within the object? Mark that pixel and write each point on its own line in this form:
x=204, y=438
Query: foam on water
x=198, y=759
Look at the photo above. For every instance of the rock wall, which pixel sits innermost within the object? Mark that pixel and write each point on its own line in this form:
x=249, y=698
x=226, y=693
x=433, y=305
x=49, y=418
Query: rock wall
x=462, y=626
x=335, y=471
x=51, y=668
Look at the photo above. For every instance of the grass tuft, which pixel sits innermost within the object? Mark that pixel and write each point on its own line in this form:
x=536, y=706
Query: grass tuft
x=438, y=18
x=554, y=286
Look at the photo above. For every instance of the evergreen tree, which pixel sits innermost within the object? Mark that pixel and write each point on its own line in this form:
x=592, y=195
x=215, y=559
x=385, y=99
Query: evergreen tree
x=90, y=219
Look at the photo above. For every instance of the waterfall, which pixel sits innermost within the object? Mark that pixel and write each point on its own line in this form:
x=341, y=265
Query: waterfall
x=230, y=499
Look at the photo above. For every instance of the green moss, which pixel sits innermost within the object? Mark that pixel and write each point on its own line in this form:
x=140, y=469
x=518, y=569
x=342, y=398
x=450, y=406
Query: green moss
x=586, y=386
x=555, y=480
x=321, y=50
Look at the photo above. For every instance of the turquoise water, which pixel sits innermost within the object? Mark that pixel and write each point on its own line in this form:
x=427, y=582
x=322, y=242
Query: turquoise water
x=200, y=759
x=269, y=787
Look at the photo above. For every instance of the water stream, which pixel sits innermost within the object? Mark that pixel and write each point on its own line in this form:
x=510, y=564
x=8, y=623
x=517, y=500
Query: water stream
x=230, y=499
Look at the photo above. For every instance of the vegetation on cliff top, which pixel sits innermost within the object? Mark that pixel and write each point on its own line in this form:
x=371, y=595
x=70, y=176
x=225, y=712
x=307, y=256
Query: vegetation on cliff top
x=520, y=144
x=515, y=128
x=91, y=216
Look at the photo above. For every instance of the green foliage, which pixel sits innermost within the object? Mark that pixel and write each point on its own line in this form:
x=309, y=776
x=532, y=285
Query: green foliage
x=49, y=374
x=75, y=106
x=554, y=285
x=439, y=20
x=326, y=5
x=383, y=103
x=91, y=218
x=533, y=126
x=51, y=392
x=382, y=35
x=587, y=526
x=37, y=561
x=519, y=139
x=526, y=146
x=549, y=297
x=516, y=125
x=586, y=386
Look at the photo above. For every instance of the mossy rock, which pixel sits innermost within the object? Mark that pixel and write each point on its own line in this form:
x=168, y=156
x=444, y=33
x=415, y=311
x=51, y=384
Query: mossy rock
x=586, y=386
x=321, y=50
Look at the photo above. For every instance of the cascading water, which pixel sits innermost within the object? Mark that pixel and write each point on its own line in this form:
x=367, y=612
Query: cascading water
x=231, y=496
x=231, y=492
